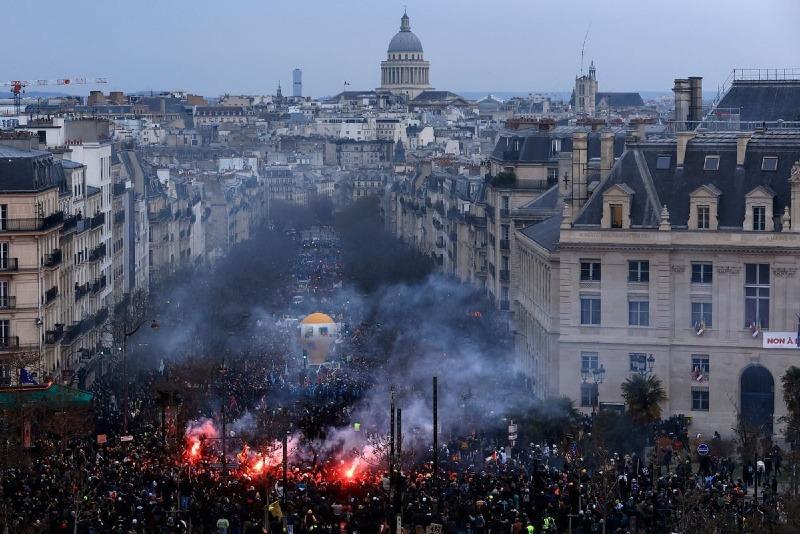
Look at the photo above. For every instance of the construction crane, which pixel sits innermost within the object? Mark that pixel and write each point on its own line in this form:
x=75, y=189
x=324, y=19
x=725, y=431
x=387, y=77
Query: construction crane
x=18, y=86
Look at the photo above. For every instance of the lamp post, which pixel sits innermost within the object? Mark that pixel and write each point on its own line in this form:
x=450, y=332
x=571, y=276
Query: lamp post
x=598, y=375
x=126, y=334
x=223, y=370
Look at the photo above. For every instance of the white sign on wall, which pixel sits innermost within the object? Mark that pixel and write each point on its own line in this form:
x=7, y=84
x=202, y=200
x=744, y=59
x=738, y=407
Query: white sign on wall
x=779, y=340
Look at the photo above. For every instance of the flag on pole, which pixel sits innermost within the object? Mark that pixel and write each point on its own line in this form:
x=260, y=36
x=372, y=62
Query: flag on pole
x=25, y=377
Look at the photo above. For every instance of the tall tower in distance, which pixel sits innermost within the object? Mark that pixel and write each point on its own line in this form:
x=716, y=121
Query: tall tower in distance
x=297, y=83
x=586, y=92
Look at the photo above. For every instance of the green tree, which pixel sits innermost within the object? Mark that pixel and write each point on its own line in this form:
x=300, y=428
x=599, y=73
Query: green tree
x=643, y=397
x=791, y=396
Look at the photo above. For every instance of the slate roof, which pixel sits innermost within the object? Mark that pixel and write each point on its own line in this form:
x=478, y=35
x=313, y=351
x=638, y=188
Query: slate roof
x=546, y=233
x=763, y=100
x=21, y=170
x=619, y=100
x=654, y=187
x=438, y=97
x=536, y=147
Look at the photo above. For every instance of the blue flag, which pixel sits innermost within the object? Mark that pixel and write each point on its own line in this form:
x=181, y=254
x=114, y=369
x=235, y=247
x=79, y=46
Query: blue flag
x=25, y=377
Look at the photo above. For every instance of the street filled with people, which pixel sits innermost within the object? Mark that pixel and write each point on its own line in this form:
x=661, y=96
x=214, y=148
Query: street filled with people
x=252, y=436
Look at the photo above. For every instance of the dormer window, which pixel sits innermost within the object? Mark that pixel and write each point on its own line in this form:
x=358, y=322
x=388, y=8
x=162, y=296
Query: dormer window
x=769, y=163
x=616, y=215
x=711, y=163
x=703, y=203
x=617, y=206
x=758, y=210
x=663, y=163
x=703, y=217
x=759, y=218
x=555, y=146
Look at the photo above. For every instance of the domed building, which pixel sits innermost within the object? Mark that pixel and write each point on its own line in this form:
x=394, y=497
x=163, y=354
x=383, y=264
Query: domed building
x=405, y=70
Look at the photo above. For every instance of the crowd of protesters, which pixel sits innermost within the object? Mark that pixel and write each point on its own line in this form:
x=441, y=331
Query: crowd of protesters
x=138, y=480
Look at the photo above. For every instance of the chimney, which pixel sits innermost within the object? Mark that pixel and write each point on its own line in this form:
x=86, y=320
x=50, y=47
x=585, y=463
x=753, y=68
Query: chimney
x=696, y=99
x=682, y=98
x=683, y=141
x=606, y=153
x=742, y=138
x=579, y=163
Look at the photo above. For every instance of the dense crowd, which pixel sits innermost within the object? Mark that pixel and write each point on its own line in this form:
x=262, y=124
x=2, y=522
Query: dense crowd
x=142, y=482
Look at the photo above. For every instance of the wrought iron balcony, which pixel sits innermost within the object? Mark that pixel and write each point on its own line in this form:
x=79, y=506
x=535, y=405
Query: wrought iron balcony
x=98, y=252
x=50, y=295
x=38, y=224
x=81, y=290
x=9, y=264
x=52, y=337
x=53, y=259
x=98, y=220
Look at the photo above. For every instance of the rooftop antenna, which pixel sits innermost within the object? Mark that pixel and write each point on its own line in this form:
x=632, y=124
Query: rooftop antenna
x=583, y=46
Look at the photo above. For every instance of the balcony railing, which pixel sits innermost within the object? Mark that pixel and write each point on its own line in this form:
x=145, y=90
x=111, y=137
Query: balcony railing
x=119, y=189
x=505, y=244
x=98, y=220
x=119, y=217
x=504, y=212
x=505, y=276
x=38, y=224
x=50, y=295
x=53, y=259
x=7, y=301
x=9, y=343
x=9, y=264
x=81, y=290
x=52, y=337
x=504, y=305
x=99, y=284
x=98, y=252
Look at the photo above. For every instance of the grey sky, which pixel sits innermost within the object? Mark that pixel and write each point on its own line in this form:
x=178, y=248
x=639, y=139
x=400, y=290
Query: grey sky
x=246, y=46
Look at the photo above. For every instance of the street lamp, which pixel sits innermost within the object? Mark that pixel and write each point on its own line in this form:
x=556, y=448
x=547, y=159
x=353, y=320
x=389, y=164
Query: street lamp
x=598, y=375
x=646, y=370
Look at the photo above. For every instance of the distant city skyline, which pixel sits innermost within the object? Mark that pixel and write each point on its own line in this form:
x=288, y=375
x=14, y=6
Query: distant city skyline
x=248, y=47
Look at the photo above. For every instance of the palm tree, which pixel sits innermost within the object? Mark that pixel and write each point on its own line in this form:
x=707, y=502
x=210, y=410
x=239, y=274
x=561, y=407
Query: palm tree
x=643, y=397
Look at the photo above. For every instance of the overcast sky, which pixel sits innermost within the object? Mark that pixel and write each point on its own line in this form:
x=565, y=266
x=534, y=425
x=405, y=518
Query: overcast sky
x=247, y=46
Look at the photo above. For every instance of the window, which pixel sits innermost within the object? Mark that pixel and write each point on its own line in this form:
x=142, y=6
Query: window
x=504, y=202
x=3, y=256
x=700, y=399
x=756, y=295
x=702, y=273
x=552, y=174
x=589, y=361
x=588, y=394
x=711, y=163
x=505, y=232
x=590, y=271
x=3, y=216
x=663, y=162
x=590, y=310
x=703, y=217
x=555, y=146
x=638, y=362
x=759, y=218
x=639, y=313
x=616, y=215
x=638, y=271
x=700, y=366
x=504, y=262
x=701, y=313
x=769, y=163
x=4, y=301
x=5, y=332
